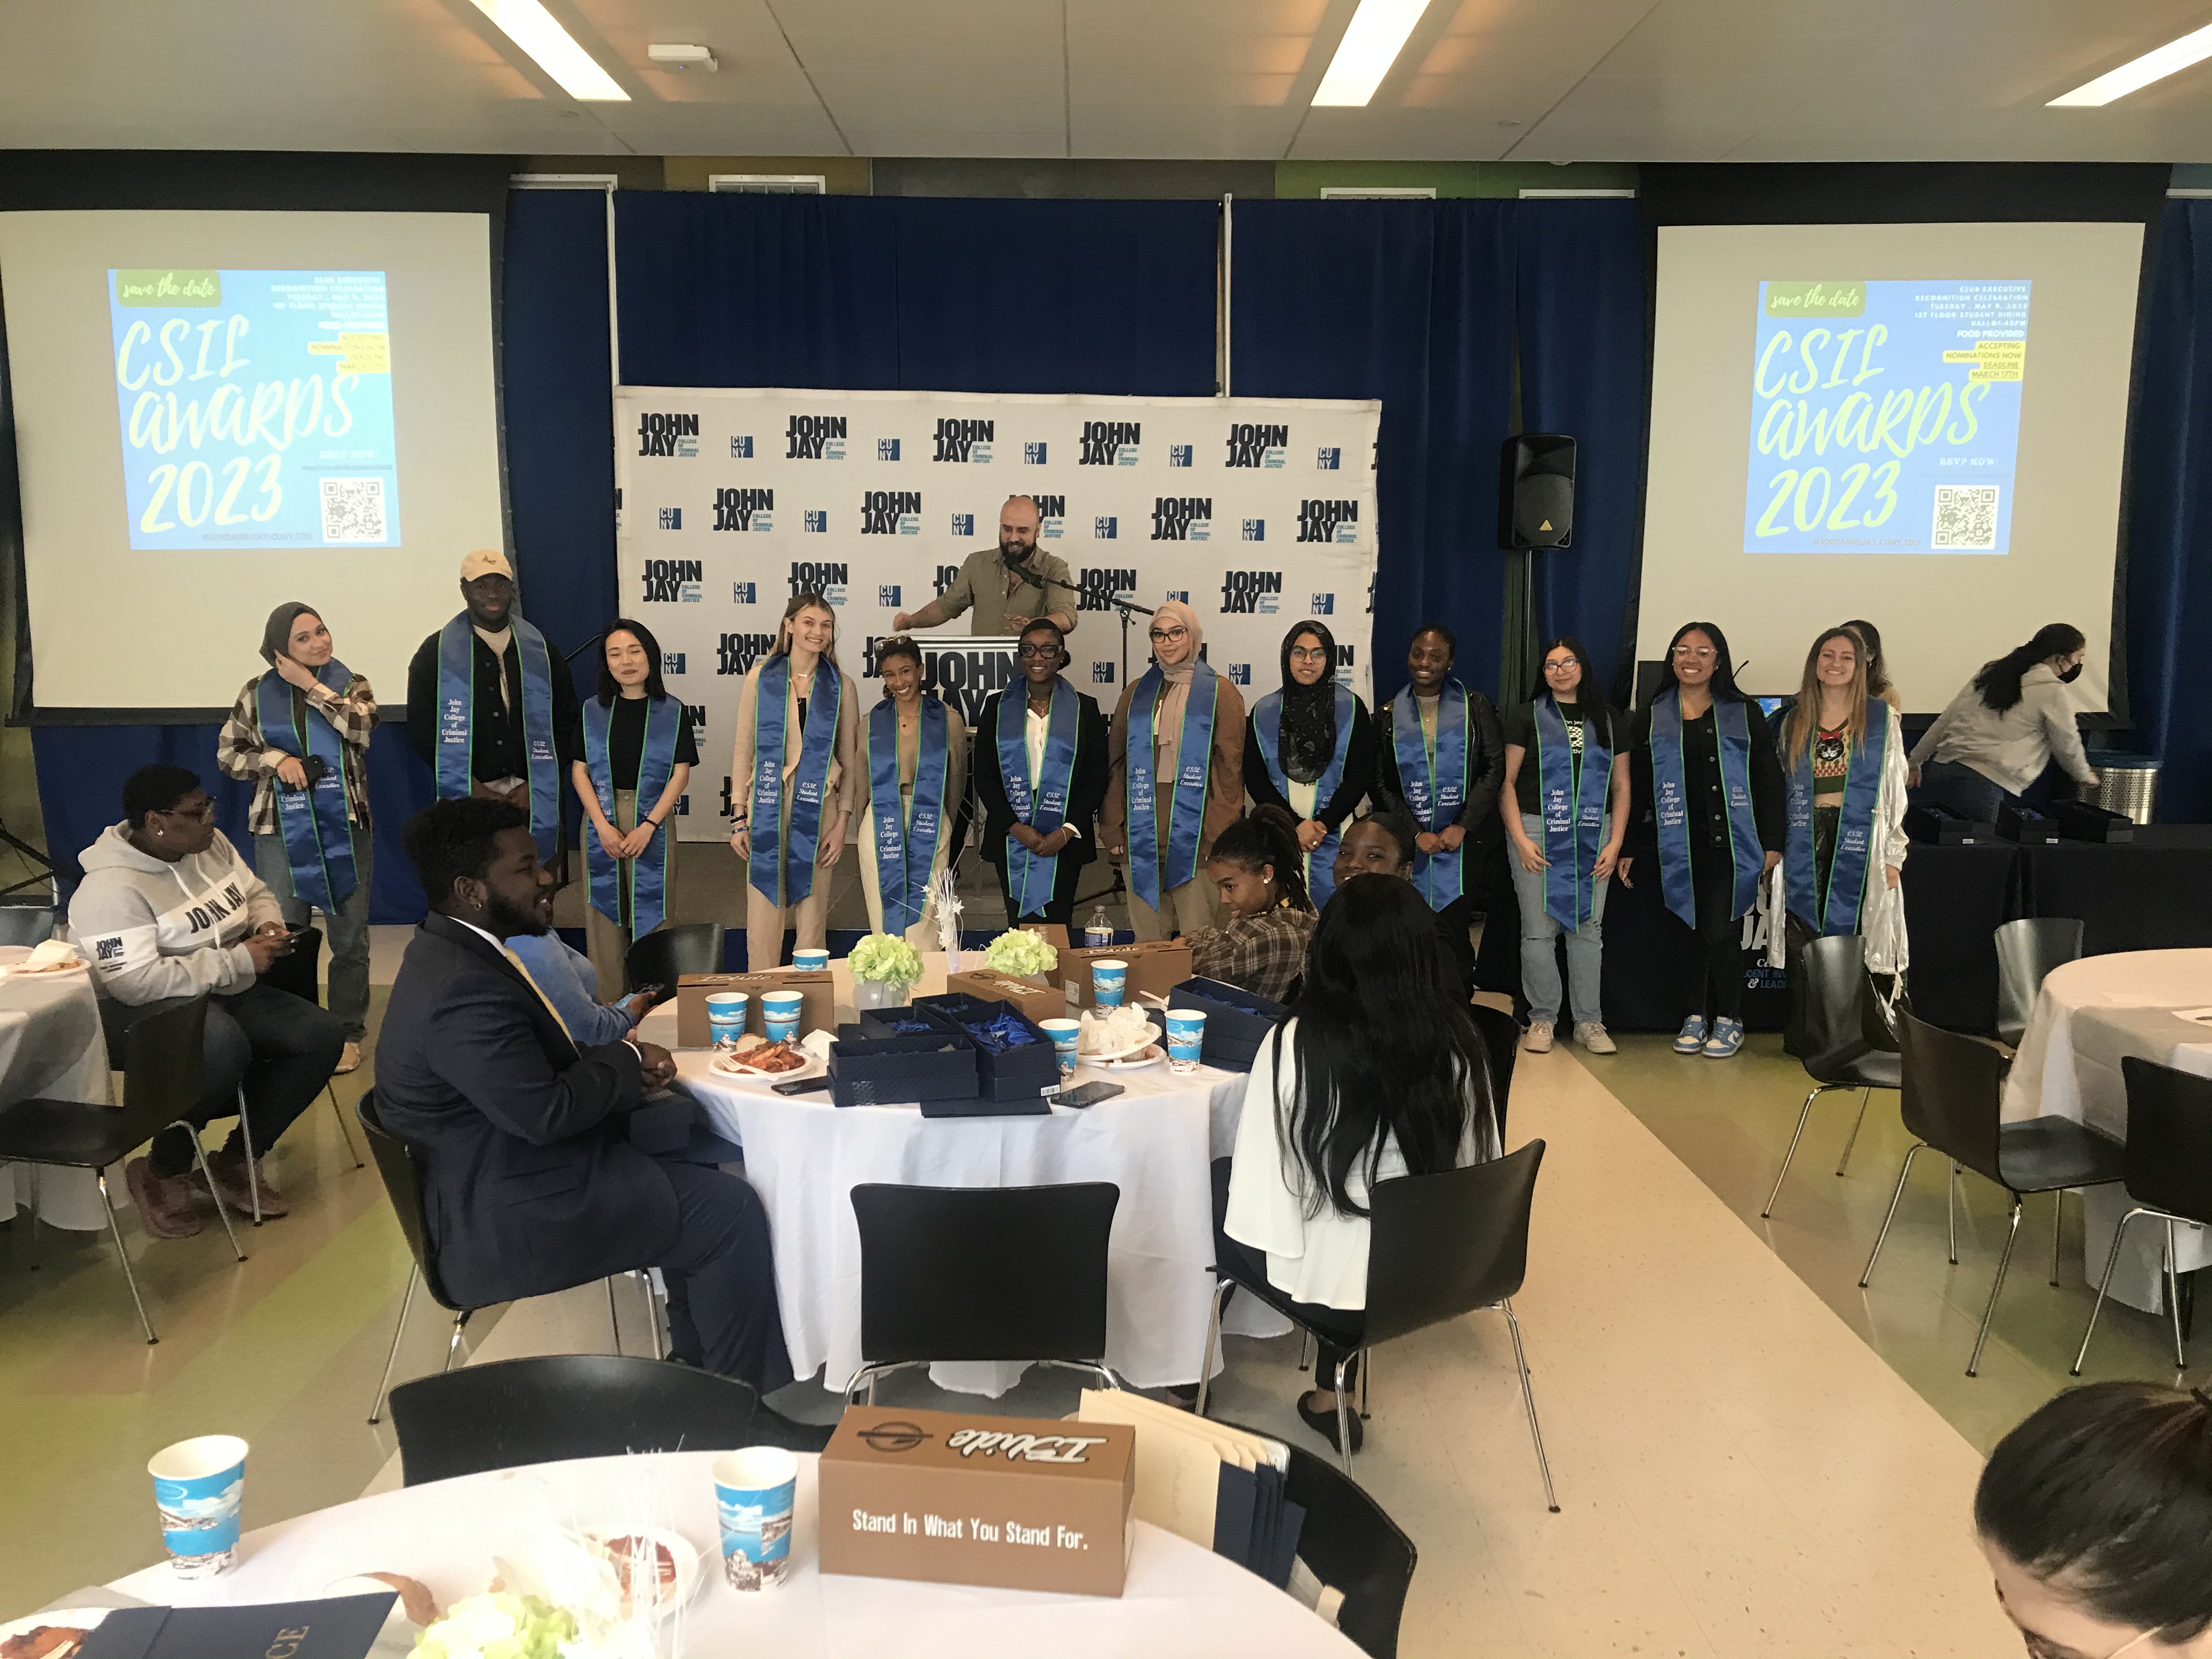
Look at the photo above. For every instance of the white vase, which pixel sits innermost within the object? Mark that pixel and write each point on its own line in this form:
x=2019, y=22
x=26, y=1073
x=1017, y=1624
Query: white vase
x=871, y=993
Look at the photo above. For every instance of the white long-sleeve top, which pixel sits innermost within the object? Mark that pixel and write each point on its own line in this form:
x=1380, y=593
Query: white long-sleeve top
x=2011, y=749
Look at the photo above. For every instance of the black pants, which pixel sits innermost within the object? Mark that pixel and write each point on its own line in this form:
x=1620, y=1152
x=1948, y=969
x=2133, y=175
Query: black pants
x=281, y=1048
x=1718, y=992
x=722, y=1311
x=1060, y=907
x=1338, y=1332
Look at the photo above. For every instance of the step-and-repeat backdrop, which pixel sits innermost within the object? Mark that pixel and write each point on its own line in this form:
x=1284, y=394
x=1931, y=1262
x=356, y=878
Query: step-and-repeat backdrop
x=1255, y=512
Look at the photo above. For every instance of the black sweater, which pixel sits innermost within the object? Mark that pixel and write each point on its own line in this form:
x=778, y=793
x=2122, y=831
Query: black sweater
x=1086, y=790
x=1708, y=810
x=1358, y=772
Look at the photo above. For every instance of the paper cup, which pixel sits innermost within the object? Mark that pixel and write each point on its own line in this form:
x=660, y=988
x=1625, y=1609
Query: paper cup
x=779, y=1015
x=1064, y=1034
x=1109, y=978
x=1186, y=1038
x=754, y=1490
x=198, y=1487
x=726, y=1016
x=811, y=961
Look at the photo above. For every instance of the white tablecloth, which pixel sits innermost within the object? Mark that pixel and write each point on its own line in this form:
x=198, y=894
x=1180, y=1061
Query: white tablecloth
x=2092, y=1013
x=51, y=1045
x=1179, y=1599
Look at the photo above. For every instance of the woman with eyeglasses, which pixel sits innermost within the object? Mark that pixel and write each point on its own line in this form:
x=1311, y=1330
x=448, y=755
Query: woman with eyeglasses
x=907, y=786
x=1442, y=760
x=1040, y=775
x=1569, y=813
x=1705, y=811
x=1309, y=749
x=1175, y=778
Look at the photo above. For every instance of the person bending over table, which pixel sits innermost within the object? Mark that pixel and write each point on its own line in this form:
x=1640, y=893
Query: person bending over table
x=2013, y=718
x=1376, y=1072
x=1310, y=748
x=1258, y=868
x=167, y=912
x=1381, y=844
x=528, y=1186
x=906, y=792
x=1008, y=587
x=301, y=734
x=1441, y=760
x=1039, y=765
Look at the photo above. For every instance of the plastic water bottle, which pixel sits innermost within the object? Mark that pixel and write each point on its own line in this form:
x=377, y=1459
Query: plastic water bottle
x=1098, y=931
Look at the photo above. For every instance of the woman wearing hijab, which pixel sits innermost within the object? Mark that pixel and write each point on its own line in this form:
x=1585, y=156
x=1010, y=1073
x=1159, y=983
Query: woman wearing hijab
x=299, y=734
x=1310, y=748
x=907, y=788
x=1175, y=778
x=1442, y=760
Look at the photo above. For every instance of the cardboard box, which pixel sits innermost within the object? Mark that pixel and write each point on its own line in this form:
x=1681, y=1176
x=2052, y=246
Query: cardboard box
x=947, y=1498
x=1155, y=968
x=818, y=1007
x=1037, y=1001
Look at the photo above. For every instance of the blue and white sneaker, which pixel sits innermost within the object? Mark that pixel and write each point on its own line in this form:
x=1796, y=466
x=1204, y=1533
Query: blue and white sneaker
x=1692, y=1038
x=1727, y=1038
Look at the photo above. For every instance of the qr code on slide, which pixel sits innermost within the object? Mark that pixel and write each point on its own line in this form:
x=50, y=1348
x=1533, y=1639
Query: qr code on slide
x=1966, y=517
x=353, y=509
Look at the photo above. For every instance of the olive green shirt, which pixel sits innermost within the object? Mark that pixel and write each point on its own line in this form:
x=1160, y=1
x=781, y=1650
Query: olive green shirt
x=1043, y=587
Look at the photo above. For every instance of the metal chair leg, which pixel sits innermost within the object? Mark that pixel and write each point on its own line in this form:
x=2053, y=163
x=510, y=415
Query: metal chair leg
x=1366, y=1370
x=1917, y=1148
x=222, y=1209
x=1344, y=1416
x=37, y=1170
x=253, y=1163
x=1852, y=1140
x=115, y=1231
x=344, y=1134
x=1213, y=1344
x=2173, y=1295
x=652, y=1313
x=614, y=1319
x=2004, y=1261
x=2057, y=1229
x=399, y=1328
x=453, y=1343
x=1528, y=1399
x=1305, y=1350
x=2104, y=1285
x=1783, y=1175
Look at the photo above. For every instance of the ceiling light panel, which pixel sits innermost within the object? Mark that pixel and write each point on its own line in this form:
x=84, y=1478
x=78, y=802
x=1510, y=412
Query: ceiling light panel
x=1369, y=46
x=2133, y=76
x=533, y=28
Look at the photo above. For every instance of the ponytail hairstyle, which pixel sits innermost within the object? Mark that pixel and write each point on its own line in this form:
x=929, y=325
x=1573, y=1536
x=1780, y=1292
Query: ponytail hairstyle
x=1268, y=835
x=1999, y=681
x=1804, y=718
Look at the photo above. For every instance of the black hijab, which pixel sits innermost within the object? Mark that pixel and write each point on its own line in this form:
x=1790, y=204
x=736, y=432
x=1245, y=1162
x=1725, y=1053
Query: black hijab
x=1305, y=741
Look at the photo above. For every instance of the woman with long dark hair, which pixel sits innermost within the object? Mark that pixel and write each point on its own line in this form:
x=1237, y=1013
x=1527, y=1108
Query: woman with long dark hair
x=906, y=792
x=1309, y=749
x=638, y=750
x=1258, y=868
x=1705, y=811
x=2010, y=722
x=1376, y=1072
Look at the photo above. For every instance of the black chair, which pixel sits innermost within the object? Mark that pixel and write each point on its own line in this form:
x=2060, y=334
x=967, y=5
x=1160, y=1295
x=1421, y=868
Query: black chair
x=1501, y=1040
x=665, y=955
x=1439, y=1246
x=1844, y=1043
x=160, y=1084
x=298, y=972
x=983, y=1273
x=27, y=923
x=1352, y=1545
x=2027, y=950
x=2167, y=1173
x=1953, y=1086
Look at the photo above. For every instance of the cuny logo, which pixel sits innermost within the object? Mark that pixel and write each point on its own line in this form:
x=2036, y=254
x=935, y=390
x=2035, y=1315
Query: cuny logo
x=1257, y=444
x=1255, y=530
x=963, y=524
x=1052, y=515
x=818, y=521
x=1251, y=592
x=1102, y=673
x=1095, y=589
x=1329, y=521
x=1179, y=454
x=1105, y=530
x=1033, y=454
x=667, y=434
x=1240, y=673
x=672, y=517
x=887, y=595
x=889, y=513
x=827, y=578
x=671, y=662
x=741, y=449
x=1327, y=460
x=1182, y=518
x=742, y=592
x=1324, y=604
x=671, y=581
x=745, y=509
x=887, y=449
x=965, y=440
x=1110, y=443
x=815, y=438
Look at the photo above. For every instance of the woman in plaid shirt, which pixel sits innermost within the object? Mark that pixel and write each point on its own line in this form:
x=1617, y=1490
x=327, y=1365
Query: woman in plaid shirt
x=1257, y=866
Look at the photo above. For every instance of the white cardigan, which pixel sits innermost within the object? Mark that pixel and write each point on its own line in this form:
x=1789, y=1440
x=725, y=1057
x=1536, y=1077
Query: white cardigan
x=1883, y=918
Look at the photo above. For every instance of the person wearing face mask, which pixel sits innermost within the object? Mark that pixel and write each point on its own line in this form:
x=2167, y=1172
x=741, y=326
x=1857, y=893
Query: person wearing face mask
x=1039, y=769
x=2012, y=720
x=300, y=733
x=638, y=750
x=1008, y=587
x=1175, y=778
x=1381, y=844
x=1309, y=749
x=491, y=706
x=1705, y=811
x=1442, y=760
x=907, y=791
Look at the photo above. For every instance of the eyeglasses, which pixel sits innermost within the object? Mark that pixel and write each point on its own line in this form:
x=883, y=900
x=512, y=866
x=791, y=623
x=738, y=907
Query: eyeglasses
x=203, y=813
x=1703, y=653
x=1169, y=635
x=1302, y=653
x=1569, y=666
x=1041, y=648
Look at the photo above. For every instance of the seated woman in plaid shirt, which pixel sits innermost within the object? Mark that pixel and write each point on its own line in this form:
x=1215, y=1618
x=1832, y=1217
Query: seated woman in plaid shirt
x=1257, y=866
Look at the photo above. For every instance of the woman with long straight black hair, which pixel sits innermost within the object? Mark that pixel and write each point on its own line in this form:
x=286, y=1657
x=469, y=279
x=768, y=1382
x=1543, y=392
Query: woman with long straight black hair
x=2012, y=720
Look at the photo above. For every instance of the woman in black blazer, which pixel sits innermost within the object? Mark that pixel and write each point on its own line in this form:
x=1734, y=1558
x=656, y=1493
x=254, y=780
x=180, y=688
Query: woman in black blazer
x=1048, y=716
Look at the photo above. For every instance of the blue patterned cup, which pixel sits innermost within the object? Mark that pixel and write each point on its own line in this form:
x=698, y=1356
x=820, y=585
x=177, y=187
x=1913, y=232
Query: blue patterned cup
x=198, y=1485
x=1186, y=1038
x=779, y=1015
x=1109, y=978
x=754, y=1491
x=726, y=1016
x=812, y=962
x=1065, y=1034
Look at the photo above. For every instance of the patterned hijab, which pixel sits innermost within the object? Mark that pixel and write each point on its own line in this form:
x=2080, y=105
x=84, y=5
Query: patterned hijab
x=1305, y=741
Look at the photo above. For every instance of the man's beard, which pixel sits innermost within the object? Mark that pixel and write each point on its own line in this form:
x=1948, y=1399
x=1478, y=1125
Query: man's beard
x=1016, y=556
x=507, y=920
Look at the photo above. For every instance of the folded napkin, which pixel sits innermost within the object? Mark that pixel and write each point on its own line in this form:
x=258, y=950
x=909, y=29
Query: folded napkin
x=54, y=953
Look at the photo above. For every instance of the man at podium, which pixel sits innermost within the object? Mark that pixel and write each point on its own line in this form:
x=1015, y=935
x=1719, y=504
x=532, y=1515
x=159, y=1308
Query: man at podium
x=1008, y=587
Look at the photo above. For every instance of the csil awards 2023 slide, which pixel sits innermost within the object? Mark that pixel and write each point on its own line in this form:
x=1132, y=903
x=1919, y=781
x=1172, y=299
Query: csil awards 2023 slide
x=256, y=409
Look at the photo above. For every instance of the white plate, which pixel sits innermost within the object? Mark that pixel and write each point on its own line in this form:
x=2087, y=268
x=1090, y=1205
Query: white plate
x=1106, y=1056
x=688, y=1576
x=77, y=1617
x=43, y=973
x=733, y=1066
x=1150, y=1054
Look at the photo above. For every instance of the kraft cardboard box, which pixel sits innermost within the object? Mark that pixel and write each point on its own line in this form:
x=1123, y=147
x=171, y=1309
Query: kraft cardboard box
x=1155, y=968
x=818, y=1007
x=1012, y=1503
x=1037, y=1001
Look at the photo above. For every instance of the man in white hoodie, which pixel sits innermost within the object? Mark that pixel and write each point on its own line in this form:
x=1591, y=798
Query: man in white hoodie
x=168, y=911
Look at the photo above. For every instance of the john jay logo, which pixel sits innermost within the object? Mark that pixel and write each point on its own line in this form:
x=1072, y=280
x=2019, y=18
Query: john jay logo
x=1329, y=521
x=1179, y=454
x=826, y=578
x=818, y=521
x=1327, y=460
x=1105, y=530
x=671, y=581
x=698, y=713
x=963, y=524
x=1033, y=454
x=887, y=449
x=965, y=440
x=671, y=662
x=1095, y=588
x=1251, y=592
x=745, y=509
x=667, y=434
x=1257, y=444
x=889, y=513
x=672, y=517
x=1110, y=443
x=946, y=576
x=109, y=950
x=1052, y=515
x=742, y=592
x=1255, y=530
x=1182, y=518
x=815, y=438
x=741, y=449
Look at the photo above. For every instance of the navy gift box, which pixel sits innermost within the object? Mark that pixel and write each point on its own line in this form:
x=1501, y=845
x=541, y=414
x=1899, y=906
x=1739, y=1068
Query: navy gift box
x=1236, y=1021
x=1030, y=1072
x=871, y=1064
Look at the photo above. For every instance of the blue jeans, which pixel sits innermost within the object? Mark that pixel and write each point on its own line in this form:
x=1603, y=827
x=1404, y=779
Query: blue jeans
x=1955, y=785
x=347, y=931
x=1539, y=964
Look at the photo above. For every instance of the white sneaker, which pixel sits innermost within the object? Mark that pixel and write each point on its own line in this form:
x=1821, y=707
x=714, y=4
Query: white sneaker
x=1539, y=1039
x=1592, y=1036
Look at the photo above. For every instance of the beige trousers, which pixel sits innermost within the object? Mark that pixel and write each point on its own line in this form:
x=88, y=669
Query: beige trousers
x=606, y=941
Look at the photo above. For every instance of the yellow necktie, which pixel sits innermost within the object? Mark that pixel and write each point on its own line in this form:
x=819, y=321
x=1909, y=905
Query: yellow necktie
x=542, y=996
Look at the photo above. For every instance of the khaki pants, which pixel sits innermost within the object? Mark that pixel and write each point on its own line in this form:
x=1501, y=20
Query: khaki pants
x=923, y=934
x=606, y=941
x=1183, y=909
x=765, y=921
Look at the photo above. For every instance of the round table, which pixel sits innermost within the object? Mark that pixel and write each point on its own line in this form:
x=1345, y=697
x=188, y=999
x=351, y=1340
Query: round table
x=2090, y=1015
x=1179, y=1599
x=51, y=1045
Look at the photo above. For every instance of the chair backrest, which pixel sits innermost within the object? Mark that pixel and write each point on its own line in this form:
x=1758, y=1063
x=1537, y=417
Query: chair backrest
x=1443, y=1245
x=1501, y=1040
x=1352, y=1545
x=298, y=970
x=1954, y=1085
x=665, y=955
x=983, y=1273
x=397, y=1162
x=541, y=1410
x=2027, y=950
x=2168, y=1159
x=1837, y=1024
x=162, y=1057
x=27, y=923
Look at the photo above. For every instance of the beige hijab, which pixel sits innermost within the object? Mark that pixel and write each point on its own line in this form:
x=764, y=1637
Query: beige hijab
x=1174, y=695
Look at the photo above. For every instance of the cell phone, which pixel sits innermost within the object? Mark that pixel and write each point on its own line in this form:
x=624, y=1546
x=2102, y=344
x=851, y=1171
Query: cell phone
x=658, y=993
x=1090, y=1094
x=800, y=1085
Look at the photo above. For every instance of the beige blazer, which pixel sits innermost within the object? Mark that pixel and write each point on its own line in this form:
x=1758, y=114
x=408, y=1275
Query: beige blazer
x=837, y=790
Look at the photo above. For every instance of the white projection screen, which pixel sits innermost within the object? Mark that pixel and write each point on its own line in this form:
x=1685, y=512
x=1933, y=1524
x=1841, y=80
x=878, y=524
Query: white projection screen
x=1919, y=424
x=220, y=412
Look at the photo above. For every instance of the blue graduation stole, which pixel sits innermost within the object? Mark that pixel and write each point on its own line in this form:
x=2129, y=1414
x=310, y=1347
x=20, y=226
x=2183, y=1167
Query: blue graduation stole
x=457, y=719
x=1040, y=802
x=1834, y=908
x=1573, y=788
x=905, y=849
x=1267, y=725
x=1149, y=876
x=1435, y=784
x=784, y=872
x=645, y=877
x=316, y=829
x=1671, y=804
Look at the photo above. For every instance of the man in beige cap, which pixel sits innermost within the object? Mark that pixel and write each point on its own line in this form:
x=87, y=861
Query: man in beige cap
x=491, y=706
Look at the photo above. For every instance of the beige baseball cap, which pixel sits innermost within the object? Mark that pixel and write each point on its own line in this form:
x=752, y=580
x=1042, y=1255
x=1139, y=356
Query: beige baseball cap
x=485, y=562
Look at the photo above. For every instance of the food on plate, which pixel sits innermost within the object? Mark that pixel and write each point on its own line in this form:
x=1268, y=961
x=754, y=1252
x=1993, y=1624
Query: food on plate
x=635, y=1557
x=757, y=1054
x=54, y=956
x=44, y=1642
x=415, y=1598
x=1114, y=1030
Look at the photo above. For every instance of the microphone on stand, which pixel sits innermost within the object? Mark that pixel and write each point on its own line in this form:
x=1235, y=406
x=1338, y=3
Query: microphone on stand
x=1127, y=603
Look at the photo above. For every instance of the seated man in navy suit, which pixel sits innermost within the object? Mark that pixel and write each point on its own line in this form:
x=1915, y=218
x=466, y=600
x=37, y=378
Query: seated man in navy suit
x=531, y=1185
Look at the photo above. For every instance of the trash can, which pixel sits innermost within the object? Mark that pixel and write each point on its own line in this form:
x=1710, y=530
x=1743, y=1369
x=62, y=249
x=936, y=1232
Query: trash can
x=2128, y=783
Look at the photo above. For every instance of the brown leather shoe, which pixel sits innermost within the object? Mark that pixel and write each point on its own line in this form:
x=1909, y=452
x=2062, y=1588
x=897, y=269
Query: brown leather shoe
x=230, y=1187
x=165, y=1202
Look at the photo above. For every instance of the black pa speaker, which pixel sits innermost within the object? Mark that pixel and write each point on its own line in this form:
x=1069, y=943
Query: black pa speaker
x=1536, y=491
